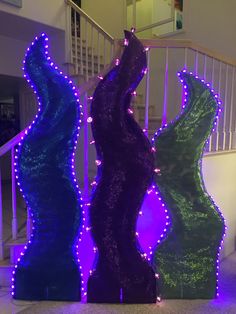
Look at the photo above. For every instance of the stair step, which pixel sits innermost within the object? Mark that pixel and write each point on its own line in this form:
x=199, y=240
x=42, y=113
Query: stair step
x=78, y=39
x=7, y=265
x=6, y=269
x=16, y=247
x=91, y=56
x=91, y=63
x=154, y=123
x=152, y=118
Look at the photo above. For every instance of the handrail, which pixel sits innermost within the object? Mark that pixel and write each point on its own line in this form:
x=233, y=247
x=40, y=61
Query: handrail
x=87, y=86
x=10, y=146
x=11, y=143
x=87, y=17
x=184, y=43
x=144, y=28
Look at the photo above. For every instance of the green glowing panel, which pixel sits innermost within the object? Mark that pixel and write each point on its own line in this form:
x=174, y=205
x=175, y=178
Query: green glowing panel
x=187, y=258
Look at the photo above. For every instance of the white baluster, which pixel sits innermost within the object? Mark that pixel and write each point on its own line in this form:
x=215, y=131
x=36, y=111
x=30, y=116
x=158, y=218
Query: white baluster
x=98, y=44
x=185, y=58
x=28, y=224
x=231, y=110
x=92, y=46
x=76, y=42
x=111, y=51
x=225, y=107
x=13, y=191
x=86, y=49
x=212, y=84
x=165, y=99
x=81, y=49
x=218, y=124
x=205, y=67
x=147, y=93
x=208, y=144
x=196, y=62
x=104, y=52
x=68, y=39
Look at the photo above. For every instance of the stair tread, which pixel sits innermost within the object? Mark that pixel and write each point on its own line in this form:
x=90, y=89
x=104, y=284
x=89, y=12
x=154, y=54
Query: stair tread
x=19, y=241
x=142, y=105
x=6, y=263
x=152, y=118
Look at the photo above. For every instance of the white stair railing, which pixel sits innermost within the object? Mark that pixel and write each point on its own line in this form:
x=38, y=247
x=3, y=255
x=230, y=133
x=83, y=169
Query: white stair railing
x=87, y=166
x=163, y=92
x=91, y=48
x=9, y=146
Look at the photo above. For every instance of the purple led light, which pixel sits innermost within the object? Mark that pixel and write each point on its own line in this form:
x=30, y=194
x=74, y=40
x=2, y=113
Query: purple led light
x=149, y=233
x=145, y=71
x=117, y=62
x=126, y=42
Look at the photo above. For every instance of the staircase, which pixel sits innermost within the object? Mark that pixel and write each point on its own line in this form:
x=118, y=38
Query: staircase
x=12, y=248
x=157, y=101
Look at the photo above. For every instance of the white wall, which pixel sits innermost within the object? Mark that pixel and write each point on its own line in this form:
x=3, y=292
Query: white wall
x=10, y=61
x=51, y=12
x=219, y=172
x=13, y=52
x=212, y=24
x=108, y=14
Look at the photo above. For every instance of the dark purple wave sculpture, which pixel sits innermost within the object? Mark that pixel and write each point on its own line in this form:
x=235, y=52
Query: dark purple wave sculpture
x=126, y=171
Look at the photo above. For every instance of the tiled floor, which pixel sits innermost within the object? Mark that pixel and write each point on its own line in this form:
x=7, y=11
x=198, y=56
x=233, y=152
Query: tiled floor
x=225, y=304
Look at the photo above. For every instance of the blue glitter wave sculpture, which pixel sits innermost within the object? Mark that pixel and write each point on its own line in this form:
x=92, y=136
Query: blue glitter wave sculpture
x=125, y=173
x=48, y=268
x=187, y=258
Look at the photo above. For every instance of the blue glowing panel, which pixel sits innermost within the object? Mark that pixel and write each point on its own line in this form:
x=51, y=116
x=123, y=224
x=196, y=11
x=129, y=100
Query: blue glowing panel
x=48, y=268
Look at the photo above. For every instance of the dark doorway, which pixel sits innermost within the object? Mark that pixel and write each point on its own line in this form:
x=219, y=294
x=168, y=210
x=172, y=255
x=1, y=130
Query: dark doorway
x=75, y=20
x=9, y=107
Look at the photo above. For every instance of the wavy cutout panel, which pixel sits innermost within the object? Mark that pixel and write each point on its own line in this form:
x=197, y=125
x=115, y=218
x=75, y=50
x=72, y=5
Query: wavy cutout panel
x=122, y=274
x=48, y=268
x=187, y=257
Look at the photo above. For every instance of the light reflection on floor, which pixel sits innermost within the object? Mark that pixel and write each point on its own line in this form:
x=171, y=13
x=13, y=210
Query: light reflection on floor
x=150, y=225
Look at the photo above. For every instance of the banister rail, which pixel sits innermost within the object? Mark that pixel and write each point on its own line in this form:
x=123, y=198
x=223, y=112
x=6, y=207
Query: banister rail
x=184, y=43
x=89, y=47
x=144, y=28
x=11, y=143
x=87, y=17
x=86, y=91
x=161, y=93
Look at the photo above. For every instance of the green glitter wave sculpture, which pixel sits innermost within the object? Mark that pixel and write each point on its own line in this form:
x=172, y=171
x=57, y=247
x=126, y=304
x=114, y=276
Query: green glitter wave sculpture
x=187, y=259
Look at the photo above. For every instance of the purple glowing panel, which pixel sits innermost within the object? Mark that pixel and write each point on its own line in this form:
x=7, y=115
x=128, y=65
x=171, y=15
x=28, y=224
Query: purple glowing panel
x=152, y=222
x=87, y=253
x=122, y=273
